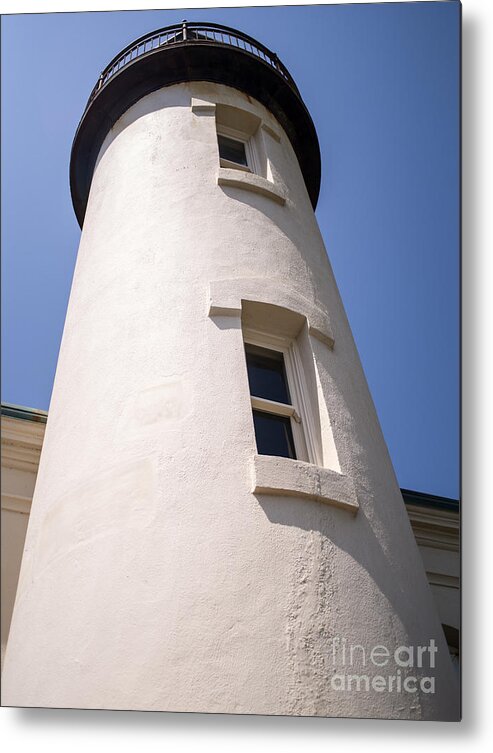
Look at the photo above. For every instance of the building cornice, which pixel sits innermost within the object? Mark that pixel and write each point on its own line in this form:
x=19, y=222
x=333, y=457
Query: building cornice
x=434, y=527
x=22, y=441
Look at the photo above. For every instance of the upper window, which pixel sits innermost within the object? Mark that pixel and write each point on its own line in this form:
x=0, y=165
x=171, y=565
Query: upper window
x=274, y=395
x=239, y=147
x=236, y=149
x=267, y=374
x=232, y=150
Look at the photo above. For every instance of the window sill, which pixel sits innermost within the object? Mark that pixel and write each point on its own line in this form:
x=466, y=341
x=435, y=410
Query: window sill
x=250, y=182
x=228, y=165
x=284, y=477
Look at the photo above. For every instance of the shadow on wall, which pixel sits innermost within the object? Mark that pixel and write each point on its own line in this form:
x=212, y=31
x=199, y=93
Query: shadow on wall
x=356, y=537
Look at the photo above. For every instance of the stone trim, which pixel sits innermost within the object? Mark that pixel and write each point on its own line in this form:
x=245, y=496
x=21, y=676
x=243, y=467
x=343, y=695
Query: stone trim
x=226, y=296
x=271, y=132
x=283, y=476
x=202, y=107
x=232, y=178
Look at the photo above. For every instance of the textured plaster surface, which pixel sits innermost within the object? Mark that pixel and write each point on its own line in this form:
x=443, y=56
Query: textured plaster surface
x=153, y=577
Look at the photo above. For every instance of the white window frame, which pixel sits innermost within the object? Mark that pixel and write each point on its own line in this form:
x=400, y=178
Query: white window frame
x=232, y=133
x=299, y=410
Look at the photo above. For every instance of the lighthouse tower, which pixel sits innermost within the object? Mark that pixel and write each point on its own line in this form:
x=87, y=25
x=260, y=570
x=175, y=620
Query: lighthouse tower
x=216, y=526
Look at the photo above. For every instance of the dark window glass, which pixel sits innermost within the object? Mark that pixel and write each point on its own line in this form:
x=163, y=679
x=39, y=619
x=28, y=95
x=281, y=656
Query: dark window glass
x=266, y=374
x=273, y=434
x=232, y=150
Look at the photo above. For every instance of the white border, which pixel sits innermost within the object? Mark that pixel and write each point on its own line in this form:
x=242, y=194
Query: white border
x=57, y=731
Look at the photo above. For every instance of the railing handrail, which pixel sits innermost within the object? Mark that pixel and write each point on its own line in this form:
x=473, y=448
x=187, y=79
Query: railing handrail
x=272, y=59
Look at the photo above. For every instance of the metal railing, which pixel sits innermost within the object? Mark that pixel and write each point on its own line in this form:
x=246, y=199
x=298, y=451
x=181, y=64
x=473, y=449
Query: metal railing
x=190, y=33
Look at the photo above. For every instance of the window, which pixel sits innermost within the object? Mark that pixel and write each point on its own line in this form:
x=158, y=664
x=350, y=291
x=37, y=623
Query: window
x=238, y=142
x=274, y=394
x=236, y=149
x=273, y=434
x=231, y=150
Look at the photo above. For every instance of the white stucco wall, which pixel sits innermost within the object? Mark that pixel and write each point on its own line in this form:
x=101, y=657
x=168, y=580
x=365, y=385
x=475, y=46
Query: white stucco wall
x=20, y=449
x=153, y=576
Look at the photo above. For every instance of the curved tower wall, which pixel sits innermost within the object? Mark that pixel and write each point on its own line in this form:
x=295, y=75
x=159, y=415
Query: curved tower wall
x=167, y=566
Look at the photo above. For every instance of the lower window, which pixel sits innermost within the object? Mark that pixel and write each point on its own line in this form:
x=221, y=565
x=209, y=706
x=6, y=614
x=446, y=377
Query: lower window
x=273, y=435
x=276, y=396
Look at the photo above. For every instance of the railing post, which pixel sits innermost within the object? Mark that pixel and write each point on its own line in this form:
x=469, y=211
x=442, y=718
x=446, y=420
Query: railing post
x=184, y=30
x=100, y=81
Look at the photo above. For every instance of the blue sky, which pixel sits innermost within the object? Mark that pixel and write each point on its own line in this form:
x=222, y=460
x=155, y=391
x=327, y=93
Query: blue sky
x=381, y=83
